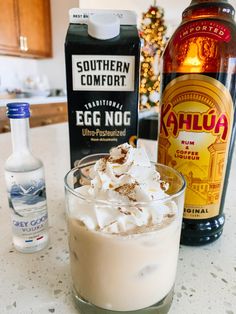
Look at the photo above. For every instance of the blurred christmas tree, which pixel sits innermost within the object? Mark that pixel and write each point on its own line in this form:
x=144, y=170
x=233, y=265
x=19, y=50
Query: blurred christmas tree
x=152, y=33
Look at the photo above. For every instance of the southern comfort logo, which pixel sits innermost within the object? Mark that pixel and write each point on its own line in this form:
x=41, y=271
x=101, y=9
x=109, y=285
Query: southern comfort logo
x=103, y=72
x=210, y=122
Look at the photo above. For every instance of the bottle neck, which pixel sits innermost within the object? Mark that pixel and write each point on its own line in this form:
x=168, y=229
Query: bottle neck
x=219, y=9
x=193, y=2
x=20, y=135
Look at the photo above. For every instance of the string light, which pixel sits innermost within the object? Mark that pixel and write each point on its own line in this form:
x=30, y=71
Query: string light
x=152, y=33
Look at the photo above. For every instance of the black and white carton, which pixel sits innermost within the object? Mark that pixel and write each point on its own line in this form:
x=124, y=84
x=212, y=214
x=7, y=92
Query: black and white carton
x=102, y=51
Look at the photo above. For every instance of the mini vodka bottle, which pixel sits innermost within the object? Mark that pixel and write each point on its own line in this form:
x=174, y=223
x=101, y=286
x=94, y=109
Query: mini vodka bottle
x=26, y=186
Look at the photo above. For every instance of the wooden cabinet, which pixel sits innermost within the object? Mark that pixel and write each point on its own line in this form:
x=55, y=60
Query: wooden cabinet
x=9, y=32
x=45, y=114
x=35, y=26
x=25, y=28
x=41, y=114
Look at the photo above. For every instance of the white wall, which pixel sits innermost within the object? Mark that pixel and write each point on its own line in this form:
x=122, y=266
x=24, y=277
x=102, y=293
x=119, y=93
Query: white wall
x=55, y=68
x=14, y=70
x=173, y=8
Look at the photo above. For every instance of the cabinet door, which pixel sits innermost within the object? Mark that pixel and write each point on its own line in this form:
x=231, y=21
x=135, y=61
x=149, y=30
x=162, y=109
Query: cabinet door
x=35, y=27
x=9, y=31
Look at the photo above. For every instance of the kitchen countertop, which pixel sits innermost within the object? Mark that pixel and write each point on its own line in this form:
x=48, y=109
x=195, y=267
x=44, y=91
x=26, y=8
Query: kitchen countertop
x=34, y=100
x=40, y=283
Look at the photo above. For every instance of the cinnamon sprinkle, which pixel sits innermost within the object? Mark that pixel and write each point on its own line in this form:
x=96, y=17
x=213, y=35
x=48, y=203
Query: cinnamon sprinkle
x=104, y=162
x=122, y=211
x=140, y=209
x=127, y=190
x=120, y=160
x=163, y=186
x=118, y=175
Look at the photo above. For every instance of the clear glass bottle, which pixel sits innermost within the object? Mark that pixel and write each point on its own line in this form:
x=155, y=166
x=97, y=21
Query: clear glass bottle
x=25, y=181
x=198, y=116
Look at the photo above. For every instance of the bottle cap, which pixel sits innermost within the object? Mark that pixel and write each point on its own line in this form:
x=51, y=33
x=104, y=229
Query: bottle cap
x=103, y=26
x=18, y=110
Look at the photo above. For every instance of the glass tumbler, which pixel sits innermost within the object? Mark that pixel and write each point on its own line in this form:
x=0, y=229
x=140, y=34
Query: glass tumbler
x=131, y=272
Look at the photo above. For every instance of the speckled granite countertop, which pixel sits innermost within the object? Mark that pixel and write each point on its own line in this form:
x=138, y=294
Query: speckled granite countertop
x=40, y=283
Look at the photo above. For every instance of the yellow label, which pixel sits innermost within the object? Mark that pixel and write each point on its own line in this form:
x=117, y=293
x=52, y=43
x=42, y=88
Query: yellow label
x=195, y=130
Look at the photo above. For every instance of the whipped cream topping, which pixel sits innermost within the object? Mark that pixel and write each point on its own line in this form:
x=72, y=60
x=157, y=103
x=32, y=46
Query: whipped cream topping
x=124, y=179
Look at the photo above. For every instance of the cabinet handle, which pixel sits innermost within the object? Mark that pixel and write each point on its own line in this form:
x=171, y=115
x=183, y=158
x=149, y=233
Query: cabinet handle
x=25, y=41
x=22, y=43
x=6, y=128
x=47, y=121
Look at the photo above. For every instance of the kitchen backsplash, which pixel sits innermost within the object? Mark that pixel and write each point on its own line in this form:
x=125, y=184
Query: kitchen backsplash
x=13, y=71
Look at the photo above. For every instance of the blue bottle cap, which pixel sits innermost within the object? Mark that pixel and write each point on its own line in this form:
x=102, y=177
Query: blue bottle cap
x=18, y=110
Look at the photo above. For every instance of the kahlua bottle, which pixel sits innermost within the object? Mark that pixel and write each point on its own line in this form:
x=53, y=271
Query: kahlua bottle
x=197, y=129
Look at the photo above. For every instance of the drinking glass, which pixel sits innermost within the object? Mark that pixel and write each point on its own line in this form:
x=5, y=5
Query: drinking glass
x=130, y=272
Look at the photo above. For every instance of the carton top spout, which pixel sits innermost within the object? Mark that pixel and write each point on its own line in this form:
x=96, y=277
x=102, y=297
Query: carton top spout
x=103, y=26
x=81, y=16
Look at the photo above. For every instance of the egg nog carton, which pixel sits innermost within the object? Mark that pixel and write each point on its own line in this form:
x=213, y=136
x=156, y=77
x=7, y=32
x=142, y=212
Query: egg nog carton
x=102, y=51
